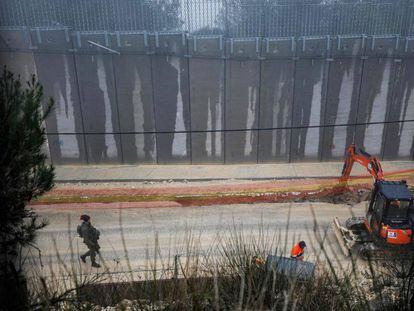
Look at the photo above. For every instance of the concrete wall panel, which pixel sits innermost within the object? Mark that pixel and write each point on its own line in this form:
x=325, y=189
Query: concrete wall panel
x=172, y=113
x=207, y=109
x=134, y=93
x=243, y=48
x=335, y=141
x=173, y=148
x=276, y=93
x=381, y=46
x=376, y=93
x=99, y=106
x=308, y=108
x=51, y=40
x=211, y=46
x=399, y=136
x=207, y=94
x=402, y=101
x=242, y=94
x=169, y=44
x=64, y=149
x=306, y=144
x=14, y=39
x=103, y=148
x=171, y=99
x=57, y=75
x=136, y=109
x=276, y=101
x=402, y=146
x=130, y=42
x=341, y=107
x=279, y=48
x=372, y=141
x=19, y=63
x=139, y=148
x=241, y=147
x=313, y=46
x=207, y=147
x=274, y=145
x=310, y=92
x=242, y=105
x=97, y=90
x=348, y=46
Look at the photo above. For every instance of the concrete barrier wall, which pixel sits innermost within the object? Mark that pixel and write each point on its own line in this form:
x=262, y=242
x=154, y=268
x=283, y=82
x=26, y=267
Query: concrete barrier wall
x=140, y=98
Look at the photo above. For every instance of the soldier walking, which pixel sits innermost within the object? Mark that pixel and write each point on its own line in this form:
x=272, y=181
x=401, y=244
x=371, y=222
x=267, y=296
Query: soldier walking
x=90, y=237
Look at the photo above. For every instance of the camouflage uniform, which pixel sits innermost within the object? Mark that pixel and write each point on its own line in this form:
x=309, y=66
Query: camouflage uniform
x=90, y=237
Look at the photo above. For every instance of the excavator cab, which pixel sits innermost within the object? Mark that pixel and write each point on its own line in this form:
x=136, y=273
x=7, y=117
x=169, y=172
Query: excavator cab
x=390, y=215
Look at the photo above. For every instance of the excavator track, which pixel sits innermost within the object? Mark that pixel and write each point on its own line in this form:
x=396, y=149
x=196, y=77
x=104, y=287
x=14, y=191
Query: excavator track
x=355, y=241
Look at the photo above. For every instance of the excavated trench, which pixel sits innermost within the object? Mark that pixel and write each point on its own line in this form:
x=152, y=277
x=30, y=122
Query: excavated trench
x=203, y=197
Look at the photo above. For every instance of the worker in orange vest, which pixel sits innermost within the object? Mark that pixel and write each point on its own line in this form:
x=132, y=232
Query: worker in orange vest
x=298, y=250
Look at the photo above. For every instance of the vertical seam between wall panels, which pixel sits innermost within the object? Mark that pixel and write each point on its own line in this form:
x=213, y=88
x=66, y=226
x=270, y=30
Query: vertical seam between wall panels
x=358, y=100
x=154, y=111
x=190, y=135
x=293, y=110
x=361, y=80
x=117, y=109
x=327, y=71
x=259, y=102
x=224, y=106
x=47, y=136
x=75, y=67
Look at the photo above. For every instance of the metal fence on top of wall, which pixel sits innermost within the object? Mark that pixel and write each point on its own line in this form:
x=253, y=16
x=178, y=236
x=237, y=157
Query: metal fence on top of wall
x=232, y=18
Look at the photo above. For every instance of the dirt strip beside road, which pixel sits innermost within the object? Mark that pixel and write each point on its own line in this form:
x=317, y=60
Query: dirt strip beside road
x=213, y=193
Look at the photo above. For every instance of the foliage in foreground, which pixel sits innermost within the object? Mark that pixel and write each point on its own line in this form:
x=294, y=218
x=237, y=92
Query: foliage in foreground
x=227, y=277
x=24, y=175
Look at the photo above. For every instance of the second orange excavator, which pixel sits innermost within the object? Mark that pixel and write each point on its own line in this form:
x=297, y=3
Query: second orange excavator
x=389, y=222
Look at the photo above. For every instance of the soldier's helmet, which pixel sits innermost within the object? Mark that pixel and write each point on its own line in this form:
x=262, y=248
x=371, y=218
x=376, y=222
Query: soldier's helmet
x=85, y=217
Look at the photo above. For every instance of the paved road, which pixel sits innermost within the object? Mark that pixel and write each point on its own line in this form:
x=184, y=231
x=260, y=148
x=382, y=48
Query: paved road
x=170, y=229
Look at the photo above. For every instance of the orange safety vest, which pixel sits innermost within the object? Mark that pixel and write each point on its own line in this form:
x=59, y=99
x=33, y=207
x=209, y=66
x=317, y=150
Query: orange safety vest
x=296, y=251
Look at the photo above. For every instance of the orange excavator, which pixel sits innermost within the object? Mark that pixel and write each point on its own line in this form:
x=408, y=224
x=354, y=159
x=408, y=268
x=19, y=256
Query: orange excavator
x=389, y=222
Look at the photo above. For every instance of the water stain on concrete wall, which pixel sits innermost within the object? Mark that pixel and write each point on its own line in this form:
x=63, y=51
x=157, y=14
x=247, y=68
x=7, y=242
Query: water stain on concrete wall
x=206, y=98
x=96, y=81
x=341, y=107
x=377, y=113
x=308, y=108
x=172, y=107
x=276, y=103
x=64, y=120
x=399, y=139
x=377, y=80
x=21, y=64
x=242, y=110
x=136, y=111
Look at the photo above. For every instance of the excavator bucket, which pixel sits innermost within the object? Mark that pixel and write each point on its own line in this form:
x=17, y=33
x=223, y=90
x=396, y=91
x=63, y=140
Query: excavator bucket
x=342, y=235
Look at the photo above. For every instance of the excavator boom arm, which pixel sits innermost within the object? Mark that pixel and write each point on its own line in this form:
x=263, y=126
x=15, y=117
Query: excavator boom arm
x=370, y=162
